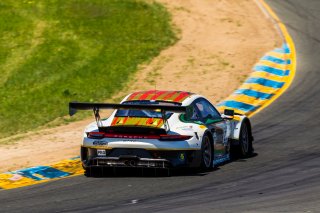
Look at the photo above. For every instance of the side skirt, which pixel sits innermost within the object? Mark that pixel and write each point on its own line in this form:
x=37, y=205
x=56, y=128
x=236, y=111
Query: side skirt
x=221, y=160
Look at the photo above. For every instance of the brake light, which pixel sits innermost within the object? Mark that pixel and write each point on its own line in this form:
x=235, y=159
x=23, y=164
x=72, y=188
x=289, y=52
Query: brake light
x=174, y=137
x=95, y=135
x=100, y=135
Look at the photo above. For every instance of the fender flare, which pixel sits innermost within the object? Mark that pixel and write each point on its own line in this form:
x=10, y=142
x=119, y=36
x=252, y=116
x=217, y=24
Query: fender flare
x=237, y=128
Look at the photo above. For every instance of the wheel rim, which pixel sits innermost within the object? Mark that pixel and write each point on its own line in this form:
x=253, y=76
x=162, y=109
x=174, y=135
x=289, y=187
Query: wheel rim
x=245, y=139
x=207, y=154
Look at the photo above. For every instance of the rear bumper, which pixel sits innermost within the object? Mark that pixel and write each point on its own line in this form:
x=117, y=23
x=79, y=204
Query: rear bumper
x=140, y=158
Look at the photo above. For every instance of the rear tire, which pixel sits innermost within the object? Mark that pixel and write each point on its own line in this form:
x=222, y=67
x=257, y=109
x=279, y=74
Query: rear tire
x=206, y=153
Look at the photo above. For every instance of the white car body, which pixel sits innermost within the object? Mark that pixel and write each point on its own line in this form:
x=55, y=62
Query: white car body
x=224, y=131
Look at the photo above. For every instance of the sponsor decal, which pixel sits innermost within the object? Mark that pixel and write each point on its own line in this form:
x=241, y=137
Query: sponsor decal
x=100, y=143
x=185, y=128
x=181, y=157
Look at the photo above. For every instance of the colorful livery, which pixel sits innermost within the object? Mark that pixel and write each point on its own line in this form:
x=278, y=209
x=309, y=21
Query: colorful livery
x=162, y=129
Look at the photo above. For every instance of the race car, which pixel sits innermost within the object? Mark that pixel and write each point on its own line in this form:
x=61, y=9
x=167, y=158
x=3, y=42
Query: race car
x=162, y=129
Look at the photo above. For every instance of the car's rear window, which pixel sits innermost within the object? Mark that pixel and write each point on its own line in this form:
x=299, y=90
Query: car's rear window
x=145, y=113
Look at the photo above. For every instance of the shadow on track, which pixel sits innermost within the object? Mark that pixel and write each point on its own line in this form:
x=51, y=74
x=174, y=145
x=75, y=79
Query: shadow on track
x=150, y=172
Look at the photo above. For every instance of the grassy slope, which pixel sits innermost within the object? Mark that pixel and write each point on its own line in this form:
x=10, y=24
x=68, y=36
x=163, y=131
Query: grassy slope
x=55, y=51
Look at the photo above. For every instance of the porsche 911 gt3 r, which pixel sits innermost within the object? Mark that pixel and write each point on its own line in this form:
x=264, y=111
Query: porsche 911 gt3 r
x=162, y=129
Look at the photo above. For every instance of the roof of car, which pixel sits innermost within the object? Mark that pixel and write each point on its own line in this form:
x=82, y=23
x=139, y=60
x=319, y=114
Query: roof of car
x=158, y=95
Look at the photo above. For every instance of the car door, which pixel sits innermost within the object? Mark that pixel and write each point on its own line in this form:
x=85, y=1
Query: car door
x=218, y=127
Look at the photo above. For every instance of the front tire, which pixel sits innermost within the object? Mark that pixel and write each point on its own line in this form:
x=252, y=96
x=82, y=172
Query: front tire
x=245, y=148
x=206, y=153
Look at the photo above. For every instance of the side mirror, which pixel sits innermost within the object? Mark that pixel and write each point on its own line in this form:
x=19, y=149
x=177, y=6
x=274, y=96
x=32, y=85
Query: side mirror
x=228, y=114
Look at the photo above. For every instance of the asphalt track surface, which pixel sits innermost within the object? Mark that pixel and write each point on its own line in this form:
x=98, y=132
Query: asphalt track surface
x=284, y=176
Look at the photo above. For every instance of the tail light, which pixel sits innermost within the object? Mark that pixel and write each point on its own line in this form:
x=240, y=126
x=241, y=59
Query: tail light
x=95, y=135
x=100, y=135
x=174, y=137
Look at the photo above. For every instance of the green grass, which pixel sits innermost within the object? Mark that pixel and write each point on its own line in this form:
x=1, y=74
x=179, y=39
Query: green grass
x=56, y=51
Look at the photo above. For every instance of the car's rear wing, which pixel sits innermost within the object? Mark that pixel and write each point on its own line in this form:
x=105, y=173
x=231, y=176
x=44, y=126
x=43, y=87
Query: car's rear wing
x=74, y=106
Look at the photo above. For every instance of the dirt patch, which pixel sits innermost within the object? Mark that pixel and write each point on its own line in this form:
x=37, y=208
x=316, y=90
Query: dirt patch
x=220, y=41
